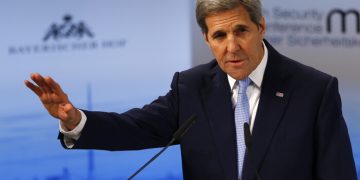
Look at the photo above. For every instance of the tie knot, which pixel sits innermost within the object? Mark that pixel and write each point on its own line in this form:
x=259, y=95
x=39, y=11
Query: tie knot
x=243, y=84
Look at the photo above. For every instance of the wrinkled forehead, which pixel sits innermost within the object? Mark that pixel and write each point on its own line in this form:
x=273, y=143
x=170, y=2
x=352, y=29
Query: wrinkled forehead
x=236, y=16
x=221, y=9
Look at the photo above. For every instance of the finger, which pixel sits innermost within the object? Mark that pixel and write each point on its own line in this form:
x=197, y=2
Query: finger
x=40, y=81
x=54, y=86
x=33, y=88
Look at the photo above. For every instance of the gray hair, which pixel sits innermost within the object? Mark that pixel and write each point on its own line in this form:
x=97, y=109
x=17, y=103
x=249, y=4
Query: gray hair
x=205, y=8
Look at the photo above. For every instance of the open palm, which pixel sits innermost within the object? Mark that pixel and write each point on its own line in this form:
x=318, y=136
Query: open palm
x=54, y=99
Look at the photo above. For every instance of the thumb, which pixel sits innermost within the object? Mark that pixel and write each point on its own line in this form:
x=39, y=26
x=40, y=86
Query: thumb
x=69, y=115
x=67, y=112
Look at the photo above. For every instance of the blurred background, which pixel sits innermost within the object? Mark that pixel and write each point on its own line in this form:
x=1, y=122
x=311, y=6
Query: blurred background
x=114, y=55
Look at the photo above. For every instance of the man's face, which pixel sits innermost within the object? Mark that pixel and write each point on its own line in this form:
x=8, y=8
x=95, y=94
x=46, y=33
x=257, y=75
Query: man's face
x=235, y=41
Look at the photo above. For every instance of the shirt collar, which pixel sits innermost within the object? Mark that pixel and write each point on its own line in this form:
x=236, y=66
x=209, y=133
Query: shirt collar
x=257, y=75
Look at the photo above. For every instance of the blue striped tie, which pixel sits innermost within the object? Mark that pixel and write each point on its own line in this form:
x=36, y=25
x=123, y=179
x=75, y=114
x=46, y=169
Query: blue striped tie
x=241, y=116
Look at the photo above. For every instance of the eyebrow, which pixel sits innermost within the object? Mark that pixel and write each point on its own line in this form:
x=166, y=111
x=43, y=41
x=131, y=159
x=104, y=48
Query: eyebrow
x=220, y=31
x=241, y=26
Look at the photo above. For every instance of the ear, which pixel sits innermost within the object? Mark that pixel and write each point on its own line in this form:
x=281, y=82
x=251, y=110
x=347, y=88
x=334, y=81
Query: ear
x=262, y=26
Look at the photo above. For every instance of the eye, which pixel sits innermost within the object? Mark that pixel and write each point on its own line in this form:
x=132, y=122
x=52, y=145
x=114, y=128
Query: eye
x=218, y=35
x=241, y=29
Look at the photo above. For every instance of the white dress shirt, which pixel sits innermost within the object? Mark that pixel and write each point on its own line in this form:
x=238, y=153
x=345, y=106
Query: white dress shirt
x=253, y=90
x=253, y=93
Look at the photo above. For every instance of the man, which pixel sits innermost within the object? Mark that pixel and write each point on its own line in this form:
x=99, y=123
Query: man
x=298, y=131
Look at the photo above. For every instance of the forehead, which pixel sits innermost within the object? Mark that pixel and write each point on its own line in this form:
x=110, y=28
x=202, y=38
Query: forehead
x=236, y=16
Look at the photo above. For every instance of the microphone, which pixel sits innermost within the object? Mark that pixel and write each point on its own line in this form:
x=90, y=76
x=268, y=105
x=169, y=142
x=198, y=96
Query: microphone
x=248, y=144
x=176, y=136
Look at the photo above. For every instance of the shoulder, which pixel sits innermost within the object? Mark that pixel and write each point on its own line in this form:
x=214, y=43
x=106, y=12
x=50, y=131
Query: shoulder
x=293, y=70
x=200, y=70
x=305, y=72
x=198, y=74
x=305, y=81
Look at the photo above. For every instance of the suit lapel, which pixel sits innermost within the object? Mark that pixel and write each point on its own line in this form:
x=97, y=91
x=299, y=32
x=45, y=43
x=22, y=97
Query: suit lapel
x=274, y=96
x=216, y=96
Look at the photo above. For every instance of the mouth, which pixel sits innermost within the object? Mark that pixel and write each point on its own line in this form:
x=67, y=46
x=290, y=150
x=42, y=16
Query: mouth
x=236, y=61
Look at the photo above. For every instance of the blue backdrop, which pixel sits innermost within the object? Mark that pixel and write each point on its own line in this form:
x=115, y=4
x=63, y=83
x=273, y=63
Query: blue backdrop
x=108, y=56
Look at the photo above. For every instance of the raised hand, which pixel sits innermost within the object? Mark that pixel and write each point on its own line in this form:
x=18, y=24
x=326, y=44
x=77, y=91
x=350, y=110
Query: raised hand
x=54, y=100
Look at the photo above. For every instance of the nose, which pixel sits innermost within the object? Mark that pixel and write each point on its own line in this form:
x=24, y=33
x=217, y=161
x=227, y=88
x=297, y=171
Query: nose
x=232, y=45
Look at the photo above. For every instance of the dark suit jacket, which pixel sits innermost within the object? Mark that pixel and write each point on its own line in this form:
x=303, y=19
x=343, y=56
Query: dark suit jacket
x=301, y=135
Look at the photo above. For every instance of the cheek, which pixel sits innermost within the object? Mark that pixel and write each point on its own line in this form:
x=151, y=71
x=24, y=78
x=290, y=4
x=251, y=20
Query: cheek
x=253, y=50
x=255, y=56
x=218, y=52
